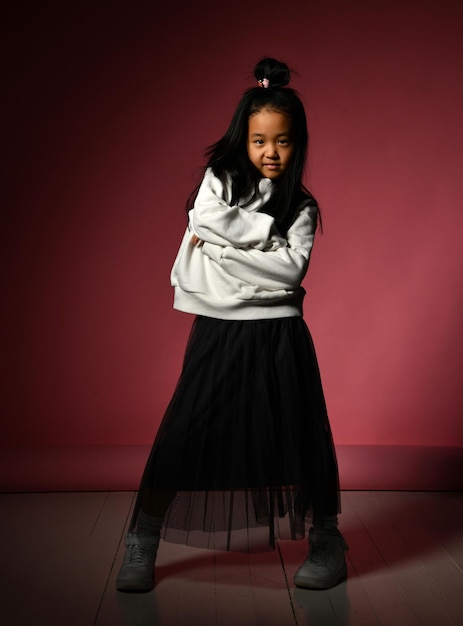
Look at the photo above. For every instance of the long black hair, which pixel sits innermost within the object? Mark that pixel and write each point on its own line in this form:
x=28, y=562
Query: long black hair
x=228, y=157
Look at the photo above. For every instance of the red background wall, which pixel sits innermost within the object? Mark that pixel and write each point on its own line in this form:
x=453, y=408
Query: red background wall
x=107, y=111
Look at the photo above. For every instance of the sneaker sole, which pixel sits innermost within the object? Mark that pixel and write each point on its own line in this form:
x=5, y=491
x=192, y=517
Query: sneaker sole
x=134, y=588
x=134, y=585
x=314, y=583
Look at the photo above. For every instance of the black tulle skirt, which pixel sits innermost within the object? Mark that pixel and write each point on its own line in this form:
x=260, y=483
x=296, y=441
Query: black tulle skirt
x=245, y=446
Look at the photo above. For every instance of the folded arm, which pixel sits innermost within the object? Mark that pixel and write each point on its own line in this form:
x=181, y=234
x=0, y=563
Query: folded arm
x=214, y=221
x=274, y=269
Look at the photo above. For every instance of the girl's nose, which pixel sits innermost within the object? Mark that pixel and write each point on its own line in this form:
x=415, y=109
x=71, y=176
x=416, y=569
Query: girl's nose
x=271, y=151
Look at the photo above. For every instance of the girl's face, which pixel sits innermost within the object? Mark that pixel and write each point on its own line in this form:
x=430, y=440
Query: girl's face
x=270, y=146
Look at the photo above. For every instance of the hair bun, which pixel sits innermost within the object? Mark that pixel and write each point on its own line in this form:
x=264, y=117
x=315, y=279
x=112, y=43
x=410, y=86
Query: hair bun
x=277, y=73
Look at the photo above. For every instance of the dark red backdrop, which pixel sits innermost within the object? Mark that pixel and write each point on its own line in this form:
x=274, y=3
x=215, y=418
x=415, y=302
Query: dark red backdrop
x=107, y=111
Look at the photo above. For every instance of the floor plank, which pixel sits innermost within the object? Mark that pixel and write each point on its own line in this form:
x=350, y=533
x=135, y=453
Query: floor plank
x=386, y=597
x=444, y=575
x=63, y=550
x=386, y=520
x=62, y=547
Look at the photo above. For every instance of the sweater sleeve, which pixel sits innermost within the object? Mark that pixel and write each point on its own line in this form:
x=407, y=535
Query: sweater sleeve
x=216, y=222
x=273, y=269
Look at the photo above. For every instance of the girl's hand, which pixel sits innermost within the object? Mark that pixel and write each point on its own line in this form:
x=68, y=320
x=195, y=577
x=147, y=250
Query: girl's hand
x=196, y=241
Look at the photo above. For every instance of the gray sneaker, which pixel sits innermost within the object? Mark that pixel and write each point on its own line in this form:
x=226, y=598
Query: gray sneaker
x=137, y=570
x=325, y=565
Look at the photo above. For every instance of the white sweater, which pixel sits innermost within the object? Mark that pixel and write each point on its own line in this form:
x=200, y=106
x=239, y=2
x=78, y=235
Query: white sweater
x=243, y=269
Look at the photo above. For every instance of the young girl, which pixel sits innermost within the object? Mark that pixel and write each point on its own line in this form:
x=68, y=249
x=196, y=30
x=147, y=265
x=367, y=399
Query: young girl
x=244, y=455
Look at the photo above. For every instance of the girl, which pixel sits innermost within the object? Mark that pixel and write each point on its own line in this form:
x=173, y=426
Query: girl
x=244, y=454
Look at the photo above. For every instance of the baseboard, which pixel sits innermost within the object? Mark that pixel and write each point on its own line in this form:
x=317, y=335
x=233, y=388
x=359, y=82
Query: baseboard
x=402, y=468
x=119, y=468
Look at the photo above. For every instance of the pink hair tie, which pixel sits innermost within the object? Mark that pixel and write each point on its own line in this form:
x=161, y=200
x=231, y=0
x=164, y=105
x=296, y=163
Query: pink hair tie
x=264, y=82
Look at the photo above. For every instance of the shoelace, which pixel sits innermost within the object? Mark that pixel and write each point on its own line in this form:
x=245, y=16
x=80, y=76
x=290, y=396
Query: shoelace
x=138, y=554
x=317, y=554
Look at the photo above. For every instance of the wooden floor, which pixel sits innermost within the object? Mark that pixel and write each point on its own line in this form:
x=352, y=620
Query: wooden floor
x=61, y=552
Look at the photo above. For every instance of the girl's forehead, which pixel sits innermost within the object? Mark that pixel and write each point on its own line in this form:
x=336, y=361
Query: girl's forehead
x=269, y=120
